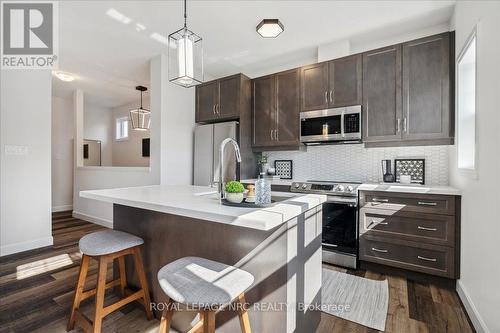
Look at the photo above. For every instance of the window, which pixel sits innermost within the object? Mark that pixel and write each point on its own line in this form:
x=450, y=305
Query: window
x=122, y=128
x=466, y=102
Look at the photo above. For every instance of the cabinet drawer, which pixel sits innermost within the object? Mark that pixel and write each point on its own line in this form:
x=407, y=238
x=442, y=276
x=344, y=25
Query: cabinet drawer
x=406, y=202
x=419, y=227
x=431, y=259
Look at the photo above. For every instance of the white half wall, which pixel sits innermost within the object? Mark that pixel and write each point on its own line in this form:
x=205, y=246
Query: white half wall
x=25, y=160
x=480, y=272
x=62, y=154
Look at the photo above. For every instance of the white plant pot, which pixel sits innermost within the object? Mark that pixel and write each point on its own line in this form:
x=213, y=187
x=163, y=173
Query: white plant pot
x=234, y=197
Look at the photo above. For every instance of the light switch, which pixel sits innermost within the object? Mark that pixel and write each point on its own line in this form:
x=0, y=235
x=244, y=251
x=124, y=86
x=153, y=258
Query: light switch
x=16, y=150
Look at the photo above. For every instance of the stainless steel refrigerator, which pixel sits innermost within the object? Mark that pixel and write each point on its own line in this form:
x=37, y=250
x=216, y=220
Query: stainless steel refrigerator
x=207, y=140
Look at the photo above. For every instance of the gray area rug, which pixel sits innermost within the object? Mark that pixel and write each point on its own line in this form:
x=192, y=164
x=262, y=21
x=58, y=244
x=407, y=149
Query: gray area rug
x=354, y=298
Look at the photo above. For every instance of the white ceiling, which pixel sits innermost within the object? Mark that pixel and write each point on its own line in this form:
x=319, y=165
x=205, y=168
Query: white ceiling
x=110, y=58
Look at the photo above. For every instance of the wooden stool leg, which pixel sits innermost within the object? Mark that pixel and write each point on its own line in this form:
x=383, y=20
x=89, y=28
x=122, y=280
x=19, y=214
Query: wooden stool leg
x=166, y=318
x=100, y=292
x=243, y=315
x=209, y=322
x=139, y=268
x=80, y=284
x=123, y=276
x=198, y=326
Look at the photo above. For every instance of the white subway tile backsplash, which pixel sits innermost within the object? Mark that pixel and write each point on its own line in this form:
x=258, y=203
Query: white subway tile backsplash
x=354, y=162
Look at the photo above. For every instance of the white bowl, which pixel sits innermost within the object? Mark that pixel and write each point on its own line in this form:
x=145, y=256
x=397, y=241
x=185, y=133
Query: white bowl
x=234, y=197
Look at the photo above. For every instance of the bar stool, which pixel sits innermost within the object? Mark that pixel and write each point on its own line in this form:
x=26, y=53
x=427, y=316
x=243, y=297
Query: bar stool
x=106, y=246
x=207, y=286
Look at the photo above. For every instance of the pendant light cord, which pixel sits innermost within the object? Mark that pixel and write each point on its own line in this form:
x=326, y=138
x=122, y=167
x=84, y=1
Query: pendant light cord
x=185, y=14
x=141, y=100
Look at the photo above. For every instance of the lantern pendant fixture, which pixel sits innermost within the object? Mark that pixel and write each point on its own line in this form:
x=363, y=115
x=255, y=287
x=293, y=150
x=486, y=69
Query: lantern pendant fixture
x=140, y=118
x=185, y=56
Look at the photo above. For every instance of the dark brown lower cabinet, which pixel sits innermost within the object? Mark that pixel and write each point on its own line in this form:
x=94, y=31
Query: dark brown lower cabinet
x=275, y=111
x=414, y=232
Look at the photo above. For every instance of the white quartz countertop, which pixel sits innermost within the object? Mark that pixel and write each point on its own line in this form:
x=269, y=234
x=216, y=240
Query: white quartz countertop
x=411, y=188
x=202, y=203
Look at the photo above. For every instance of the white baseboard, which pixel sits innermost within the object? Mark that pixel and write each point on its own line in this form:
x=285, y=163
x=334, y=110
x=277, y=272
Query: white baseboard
x=64, y=208
x=25, y=246
x=471, y=309
x=93, y=219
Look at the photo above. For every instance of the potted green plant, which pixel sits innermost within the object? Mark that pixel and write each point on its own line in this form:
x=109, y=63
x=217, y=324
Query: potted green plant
x=234, y=191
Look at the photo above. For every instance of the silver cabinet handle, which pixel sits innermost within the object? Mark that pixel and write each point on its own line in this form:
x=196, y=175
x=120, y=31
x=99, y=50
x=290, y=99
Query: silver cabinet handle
x=424, y=203
x=398, y=125
x=271, y=134
x=380, y=200
x=326, y=97
x=427, y=229
x=427, y=259
x=217, y=107
x=383, y=223
x=379, y=250
x=331, y=96
x=405, y=127
x=213, y=109
x=277, y=135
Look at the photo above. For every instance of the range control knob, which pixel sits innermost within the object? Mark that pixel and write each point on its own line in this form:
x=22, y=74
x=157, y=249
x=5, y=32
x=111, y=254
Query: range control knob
x=349, y=188
x=340, y=188
x=304, y=186
x=297, y=185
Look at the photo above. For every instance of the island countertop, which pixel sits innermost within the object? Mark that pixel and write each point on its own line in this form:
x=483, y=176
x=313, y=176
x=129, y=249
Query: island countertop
x=201, y=202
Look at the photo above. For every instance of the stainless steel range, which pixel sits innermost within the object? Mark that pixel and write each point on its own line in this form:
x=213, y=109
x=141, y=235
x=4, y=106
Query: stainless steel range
x=340, y=219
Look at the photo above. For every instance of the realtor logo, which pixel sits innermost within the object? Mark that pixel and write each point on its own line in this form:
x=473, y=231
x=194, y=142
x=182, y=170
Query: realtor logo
x=29, y=34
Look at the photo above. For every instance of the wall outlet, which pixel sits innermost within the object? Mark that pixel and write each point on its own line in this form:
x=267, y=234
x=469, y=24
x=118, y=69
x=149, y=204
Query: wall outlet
x=16, y=150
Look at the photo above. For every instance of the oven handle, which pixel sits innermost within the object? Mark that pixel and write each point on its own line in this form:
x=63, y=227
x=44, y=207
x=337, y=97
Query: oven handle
x=350, y=203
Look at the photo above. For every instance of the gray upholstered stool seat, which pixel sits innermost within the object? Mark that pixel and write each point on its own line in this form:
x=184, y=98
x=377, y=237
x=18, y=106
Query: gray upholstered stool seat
x=203, y=283
x=108, y=241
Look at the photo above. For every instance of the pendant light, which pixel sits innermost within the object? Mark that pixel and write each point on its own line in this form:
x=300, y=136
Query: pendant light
x=185, y=56
x=140, y=118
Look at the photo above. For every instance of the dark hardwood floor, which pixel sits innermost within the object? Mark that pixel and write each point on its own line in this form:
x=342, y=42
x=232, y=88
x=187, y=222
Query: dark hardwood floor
x=36, y=289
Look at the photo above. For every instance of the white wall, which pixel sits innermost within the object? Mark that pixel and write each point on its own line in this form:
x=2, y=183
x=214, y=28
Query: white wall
x=172, y=124
x=98, y=124
x=62, y=154
x=129, y=152
x=480, y=272
x=25, y=195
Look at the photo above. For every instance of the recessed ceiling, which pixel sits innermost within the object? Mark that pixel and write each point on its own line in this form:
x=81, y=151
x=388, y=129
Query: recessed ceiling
x=108, y=44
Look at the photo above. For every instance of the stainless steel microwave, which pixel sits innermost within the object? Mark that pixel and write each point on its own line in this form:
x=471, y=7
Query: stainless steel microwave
x=331, y=125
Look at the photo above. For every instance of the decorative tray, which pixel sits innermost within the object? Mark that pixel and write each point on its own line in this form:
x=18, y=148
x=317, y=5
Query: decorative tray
x=245, y=204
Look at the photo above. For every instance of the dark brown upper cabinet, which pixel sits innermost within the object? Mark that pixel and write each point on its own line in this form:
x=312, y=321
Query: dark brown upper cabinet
x=427, y=99
x=345, y=81
x=382, y=95
x=408, y=93
x=276, y=111
x=331, y=84
x=221, y=99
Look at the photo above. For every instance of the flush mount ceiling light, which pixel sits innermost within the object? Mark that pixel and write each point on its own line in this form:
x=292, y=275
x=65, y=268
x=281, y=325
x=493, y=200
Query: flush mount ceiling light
x=63, y=76
x=185, y=56
x=270, y=28
x=140, y=118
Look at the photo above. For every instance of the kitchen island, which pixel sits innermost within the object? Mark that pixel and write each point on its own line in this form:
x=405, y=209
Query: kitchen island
x=280, y=245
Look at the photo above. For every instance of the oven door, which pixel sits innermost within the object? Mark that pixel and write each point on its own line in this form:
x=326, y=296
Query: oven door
x=321, y=125
x=340, y=227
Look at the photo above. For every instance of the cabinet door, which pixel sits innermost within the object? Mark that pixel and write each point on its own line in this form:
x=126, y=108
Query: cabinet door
x=206, y=98
x=264, y=111
x=345, y=81
x=287, y=107
x=382, y=94
x=314, y=87
x=426, y=88
x=229, y=97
